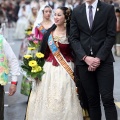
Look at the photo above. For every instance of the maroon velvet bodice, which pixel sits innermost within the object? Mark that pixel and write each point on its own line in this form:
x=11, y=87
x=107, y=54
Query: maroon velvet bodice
x=64, y=49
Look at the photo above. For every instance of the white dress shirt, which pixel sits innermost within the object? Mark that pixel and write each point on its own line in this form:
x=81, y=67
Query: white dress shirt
x=12, y=61
x=94, y=7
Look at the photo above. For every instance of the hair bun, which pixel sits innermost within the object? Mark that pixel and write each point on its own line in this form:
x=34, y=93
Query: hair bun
x=68, y=12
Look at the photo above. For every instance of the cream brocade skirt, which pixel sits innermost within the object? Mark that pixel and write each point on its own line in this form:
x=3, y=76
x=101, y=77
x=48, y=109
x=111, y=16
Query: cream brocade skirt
x=55, y=97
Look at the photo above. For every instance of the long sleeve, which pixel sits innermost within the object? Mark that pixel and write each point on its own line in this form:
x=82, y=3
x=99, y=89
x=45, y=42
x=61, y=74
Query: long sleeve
x=12, y=61
x=110, y=39
x=75, y=38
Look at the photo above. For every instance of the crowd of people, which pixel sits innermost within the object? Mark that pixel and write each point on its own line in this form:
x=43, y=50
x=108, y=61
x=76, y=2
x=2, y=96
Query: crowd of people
x=77, y=53
x=11, y=7
x=21, y=13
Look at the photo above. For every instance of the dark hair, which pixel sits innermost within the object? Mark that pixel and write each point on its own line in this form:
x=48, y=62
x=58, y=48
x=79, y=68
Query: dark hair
x=24, y=7
x=117, y=10
x=45, y=39
x=2, y=17
x=47, y=6
x=67, y=12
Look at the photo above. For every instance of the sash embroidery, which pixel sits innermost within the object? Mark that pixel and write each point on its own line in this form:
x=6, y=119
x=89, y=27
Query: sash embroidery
x=41, y=28
x=59, y=57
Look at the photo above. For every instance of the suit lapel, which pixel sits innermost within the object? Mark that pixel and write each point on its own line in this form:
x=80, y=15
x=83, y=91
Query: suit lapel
x=96, y=18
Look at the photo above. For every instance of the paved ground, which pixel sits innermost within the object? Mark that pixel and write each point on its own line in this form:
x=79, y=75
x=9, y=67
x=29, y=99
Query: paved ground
x=17, y=103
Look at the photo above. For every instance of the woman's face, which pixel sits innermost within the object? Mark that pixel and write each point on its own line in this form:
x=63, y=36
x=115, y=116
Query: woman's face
x=59, y=17
x=47, y=13
x=34, y=10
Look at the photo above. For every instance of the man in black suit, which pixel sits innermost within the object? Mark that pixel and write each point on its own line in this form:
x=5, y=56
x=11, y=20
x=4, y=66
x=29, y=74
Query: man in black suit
x=92, y=36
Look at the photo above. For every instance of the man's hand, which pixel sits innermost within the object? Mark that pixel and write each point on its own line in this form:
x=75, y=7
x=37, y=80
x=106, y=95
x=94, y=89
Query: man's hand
x=91, y=68
x=94, y=65
x=91, y=61
x=12, y=89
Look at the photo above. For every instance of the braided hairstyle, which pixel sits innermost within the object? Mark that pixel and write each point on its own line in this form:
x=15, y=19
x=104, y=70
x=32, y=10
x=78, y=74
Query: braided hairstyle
x=67, y=12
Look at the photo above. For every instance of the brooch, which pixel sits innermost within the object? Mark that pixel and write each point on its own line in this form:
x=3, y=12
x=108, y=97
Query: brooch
x=97, y=9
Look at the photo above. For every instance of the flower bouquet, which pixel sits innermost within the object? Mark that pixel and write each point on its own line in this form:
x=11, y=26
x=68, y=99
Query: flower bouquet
x=32, y=64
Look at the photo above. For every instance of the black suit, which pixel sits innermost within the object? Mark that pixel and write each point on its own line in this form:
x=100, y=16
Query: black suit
x=101, y=39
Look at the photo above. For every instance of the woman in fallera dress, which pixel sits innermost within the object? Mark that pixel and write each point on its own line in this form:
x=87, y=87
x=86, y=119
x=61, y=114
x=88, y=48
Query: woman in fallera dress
x=43, y=22
x=55, y=96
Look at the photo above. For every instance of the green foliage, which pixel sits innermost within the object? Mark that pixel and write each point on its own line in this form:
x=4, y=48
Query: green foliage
x=33, y=64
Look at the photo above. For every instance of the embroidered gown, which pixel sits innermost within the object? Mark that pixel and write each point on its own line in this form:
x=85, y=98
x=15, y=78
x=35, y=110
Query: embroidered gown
x=55, y=96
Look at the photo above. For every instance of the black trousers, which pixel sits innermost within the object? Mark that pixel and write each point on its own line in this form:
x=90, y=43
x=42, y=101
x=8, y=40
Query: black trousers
x=96, y=84
x=1, y=102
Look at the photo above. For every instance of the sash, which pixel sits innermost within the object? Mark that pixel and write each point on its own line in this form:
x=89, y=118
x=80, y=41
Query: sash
x=59, y=57
x=41, y=28
x=61, y=60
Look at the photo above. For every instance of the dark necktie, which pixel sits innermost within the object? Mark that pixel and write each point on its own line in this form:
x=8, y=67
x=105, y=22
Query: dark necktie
x=90, y=16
